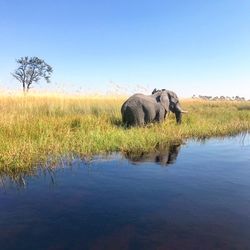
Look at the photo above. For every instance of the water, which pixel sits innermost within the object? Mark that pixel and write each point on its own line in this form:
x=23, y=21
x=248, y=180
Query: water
x=194, y=196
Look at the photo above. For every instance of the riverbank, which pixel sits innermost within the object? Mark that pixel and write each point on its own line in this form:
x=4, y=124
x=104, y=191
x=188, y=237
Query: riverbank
x=38, y=129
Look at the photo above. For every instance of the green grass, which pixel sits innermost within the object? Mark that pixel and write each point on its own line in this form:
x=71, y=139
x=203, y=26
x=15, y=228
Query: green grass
x=42, y=130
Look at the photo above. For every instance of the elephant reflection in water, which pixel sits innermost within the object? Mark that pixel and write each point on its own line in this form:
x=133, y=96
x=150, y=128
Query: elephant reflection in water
x=162, y=157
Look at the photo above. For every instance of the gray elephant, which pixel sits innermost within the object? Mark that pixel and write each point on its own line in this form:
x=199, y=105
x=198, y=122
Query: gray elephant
x=140, y=109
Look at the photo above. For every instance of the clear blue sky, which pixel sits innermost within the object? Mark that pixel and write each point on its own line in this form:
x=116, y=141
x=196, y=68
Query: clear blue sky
x=191, y=47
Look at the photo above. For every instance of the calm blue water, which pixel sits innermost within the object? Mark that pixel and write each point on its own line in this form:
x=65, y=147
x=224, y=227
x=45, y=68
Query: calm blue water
x=194, y=196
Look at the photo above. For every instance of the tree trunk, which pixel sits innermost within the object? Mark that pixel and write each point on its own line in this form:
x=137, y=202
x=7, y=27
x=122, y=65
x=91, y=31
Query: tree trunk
x=24, y=90
x=28, y=88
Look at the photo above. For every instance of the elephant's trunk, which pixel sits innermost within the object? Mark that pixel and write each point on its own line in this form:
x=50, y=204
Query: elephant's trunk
x=178, y=114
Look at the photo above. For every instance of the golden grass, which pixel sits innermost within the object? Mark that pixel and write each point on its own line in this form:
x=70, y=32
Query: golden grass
x=40, y=129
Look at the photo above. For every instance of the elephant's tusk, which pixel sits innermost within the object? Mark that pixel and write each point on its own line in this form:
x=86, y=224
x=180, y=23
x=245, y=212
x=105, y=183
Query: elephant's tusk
x=184, y=111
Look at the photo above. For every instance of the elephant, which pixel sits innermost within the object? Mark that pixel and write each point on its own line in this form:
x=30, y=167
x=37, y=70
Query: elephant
x=140, y=109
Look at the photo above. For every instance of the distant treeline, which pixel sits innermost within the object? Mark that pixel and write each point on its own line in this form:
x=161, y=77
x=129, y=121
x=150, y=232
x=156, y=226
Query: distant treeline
x=219, y=98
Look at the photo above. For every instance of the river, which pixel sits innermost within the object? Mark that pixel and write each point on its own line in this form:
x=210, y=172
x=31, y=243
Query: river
x=190, y=196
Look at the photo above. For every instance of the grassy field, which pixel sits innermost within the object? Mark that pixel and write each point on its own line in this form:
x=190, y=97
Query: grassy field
x=42, y=130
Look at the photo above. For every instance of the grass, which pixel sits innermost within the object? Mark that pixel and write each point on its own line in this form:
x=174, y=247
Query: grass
x=41, y=130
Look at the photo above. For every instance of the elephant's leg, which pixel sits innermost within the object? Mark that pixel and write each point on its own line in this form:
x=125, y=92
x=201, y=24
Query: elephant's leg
x=160, y=116
x=140, y=119
x=128, y=116
x=138, y=116
x=151, y=114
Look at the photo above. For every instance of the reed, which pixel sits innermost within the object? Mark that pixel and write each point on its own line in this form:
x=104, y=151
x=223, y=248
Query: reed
x=39, y=130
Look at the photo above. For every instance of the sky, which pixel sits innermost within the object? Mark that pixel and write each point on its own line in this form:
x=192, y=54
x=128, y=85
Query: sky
x=100, y=46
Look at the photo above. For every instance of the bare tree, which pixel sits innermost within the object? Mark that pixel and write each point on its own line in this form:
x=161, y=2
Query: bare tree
x=32, y=70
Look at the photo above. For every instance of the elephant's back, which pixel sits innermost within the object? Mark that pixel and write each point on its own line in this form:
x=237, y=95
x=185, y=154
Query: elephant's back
x=131, y=102
x=138, y=99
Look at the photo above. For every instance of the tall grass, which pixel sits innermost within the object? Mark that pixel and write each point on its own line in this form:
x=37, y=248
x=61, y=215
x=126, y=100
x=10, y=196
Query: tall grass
x=35, y=130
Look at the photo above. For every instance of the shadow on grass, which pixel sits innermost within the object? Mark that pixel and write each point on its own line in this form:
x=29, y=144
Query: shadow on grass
x=117, y=122
x=244, y=107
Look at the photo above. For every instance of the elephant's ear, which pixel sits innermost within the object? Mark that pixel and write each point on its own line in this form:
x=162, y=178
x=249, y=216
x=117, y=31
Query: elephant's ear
x=154, y=91
x=172, y=97
x=164, y=100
